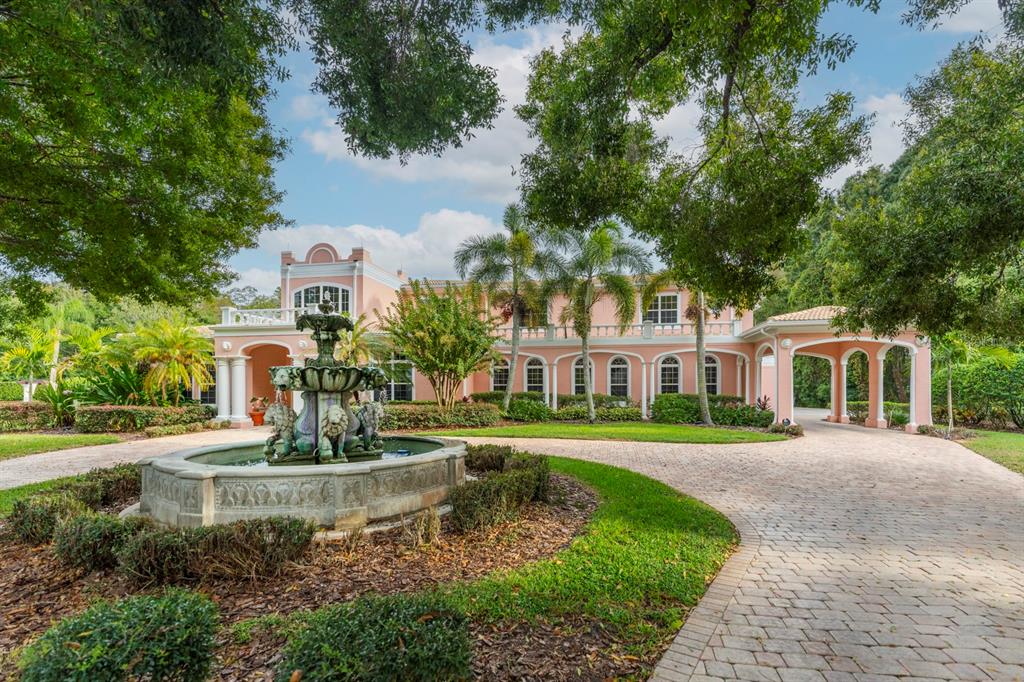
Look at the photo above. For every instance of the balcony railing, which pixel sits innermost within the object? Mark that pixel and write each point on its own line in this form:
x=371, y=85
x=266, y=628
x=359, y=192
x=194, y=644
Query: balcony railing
x=645, y=330
x=262, y=317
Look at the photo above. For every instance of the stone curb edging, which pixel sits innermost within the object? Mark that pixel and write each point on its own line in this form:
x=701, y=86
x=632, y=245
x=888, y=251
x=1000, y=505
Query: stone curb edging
x=679, y=662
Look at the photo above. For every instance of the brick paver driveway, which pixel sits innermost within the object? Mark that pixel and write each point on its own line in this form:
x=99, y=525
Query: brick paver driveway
x=865, y=555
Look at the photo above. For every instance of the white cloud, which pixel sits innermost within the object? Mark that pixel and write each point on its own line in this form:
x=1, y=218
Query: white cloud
x=307, y=107
x=886, y=135
x=980, y=15
x=484, y=165
x=424, y=252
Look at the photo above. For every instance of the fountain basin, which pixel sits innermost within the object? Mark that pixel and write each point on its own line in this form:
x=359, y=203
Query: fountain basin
x=225, y=483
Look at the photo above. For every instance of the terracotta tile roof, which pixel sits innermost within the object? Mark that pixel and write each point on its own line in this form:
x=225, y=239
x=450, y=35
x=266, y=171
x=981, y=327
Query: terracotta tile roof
x=822, y=312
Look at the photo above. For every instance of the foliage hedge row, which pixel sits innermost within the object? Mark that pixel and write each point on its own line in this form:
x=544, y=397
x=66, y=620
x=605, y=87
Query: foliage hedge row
x=896, y=413
x=165, y=637
x=578, y=413
x=21, y=416
x=10, y=391
x=681, y=408
x=984, y=390
x=407, y=416
x=499, y=496
x=564, y=400
x=125, y=418
x=397, y=637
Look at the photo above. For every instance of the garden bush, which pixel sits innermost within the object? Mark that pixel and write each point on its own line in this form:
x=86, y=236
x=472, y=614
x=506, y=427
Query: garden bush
x=578, y=413
x=787, y=429
x=499, y=496
x=857, y=410
x=60, y=397
x=600, y=400
x=488, y=457
x=396, y=637
x=496, y=397
x=21, y=416
x=91, y=541
x=158, y=556
x=34, y=519
x=113, y=486
x=682, y=408
x=174, y=429
x=167, y=637
x=127, y=418
x=521, y=410
x=10, y=391
x=408, y=416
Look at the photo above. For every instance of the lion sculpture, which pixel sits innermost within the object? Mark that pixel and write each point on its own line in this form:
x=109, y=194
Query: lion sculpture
x=282, y=418
x=333, y=428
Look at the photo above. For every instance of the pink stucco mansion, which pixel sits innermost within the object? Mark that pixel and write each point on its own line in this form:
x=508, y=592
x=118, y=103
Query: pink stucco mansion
x=655, y=354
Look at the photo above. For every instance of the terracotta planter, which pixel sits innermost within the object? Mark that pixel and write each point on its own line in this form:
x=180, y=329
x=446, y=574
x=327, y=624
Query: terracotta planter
x=257, y=418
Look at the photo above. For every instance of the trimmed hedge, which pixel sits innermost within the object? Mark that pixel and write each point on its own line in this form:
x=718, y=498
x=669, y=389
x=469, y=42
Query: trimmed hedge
x=488, y=457
x=684, y=408
x=578, y=413
x=166, y=637
x=21, y=416
x=34, y=519
x=496, y=397
x=499, y=496
x=408, y=416
x=11, y=391
x=522, y=410
x=600, y=400
x=396, y=637
x=126, y=418
x=91, y=541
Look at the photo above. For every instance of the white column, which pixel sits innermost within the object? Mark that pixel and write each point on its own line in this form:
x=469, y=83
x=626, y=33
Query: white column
x=554, y=386
x=643, y=389
x=650, y=393
x=881, y=388
x=547, y=384
x=739, y=375
x=26, y=392
x=223, y=389
x=911, y=426
x=843, y=419
x=239, y=412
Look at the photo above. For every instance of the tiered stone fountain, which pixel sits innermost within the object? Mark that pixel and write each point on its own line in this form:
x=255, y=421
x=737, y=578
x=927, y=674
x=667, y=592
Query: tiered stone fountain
x=329, y=463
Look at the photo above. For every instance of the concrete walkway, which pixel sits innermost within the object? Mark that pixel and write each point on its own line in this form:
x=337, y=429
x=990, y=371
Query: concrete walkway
x=865, y=555
x=47, y=465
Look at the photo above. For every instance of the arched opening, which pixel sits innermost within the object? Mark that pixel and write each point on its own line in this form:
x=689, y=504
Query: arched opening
x=533, y=377
x=857, y=386
x=812, y=382
x=670, y=374
x=712, y=374
x=261, y=358
x=618, y=377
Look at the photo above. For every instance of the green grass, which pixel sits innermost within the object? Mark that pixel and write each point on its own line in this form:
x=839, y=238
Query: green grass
x=634, y=431
x=21, y=444
x=1002, y=448
x=8, y=496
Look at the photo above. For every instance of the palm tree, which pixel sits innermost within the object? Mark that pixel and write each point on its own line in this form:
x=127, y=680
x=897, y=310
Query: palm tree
x=594, y=266
x=28, y=360
x=696, y=312
x=176, y=355
x=512, y=268
x=360, y=345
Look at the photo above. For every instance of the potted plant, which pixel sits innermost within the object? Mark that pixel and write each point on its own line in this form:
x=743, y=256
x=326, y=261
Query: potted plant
x=257, y=408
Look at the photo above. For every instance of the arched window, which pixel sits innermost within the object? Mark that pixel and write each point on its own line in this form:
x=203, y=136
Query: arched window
x=311, y=296
x=499, y=375
x=711, y=373
x=618, y=377
x=669, y=374
x=577, y=377
x=535, y=375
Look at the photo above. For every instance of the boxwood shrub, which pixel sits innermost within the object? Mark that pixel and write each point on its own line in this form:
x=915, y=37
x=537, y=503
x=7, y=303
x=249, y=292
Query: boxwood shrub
x=114, y=486
x=499, y=496
x=410, y=416
x=603, y=414
x=166, y=637
x=681, y=408
x=91, y=541
x=521, y=410
x=600, y=400
x=396, y=637
x=21, y=416
x=10, y=391
x=127, y=418
x=34, y=519
x=488, y=457
x=496, y=397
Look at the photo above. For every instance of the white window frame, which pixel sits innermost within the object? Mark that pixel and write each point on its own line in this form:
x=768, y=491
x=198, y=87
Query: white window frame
x=526, y=374
x=341, y=296
x=502, y=364
x=713, y=361
x=660, y=310
x=390, y=388
x=679, y=366
x=629, y=375
x=581, y=389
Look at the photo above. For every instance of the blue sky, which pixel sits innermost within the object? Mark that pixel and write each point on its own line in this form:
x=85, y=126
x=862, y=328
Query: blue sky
x=413, y=216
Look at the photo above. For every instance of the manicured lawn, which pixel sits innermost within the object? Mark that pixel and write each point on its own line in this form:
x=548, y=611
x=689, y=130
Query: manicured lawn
x=635, y=431
x=1002, y=448
x=21, y=444
x=8, y=496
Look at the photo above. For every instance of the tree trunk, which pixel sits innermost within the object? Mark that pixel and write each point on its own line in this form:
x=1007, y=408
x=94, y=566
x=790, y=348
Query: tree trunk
x=514, y=360
x=949, y=398
x=702, y=380
x=588, y=389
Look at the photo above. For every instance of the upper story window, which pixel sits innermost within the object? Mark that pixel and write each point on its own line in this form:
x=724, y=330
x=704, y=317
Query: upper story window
x=664, y=309
x=311, y=296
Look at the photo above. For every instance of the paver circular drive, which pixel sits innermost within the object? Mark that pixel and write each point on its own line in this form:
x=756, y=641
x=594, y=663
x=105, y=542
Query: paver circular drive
x=866, y=555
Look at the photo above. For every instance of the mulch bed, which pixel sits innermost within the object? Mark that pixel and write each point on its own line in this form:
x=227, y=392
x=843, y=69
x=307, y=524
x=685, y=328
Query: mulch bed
x=35, y=591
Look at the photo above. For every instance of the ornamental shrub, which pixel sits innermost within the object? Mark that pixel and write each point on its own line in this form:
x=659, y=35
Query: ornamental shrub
x=600, y=400
x=499, y=496
x=681, y=408
x=21, y=416
x=488, y=457
x=412, y=416
x=91, y=541
x=34, y=519
x=398, y=637
x=114, y=486
x=255, y=548
x=578, y=413
x=174, y=429
x=161, y=638
x=128, y=418
x=528, y=411
x=155, y=556
x=10, y=391
x=496, y=397
x=857, y=410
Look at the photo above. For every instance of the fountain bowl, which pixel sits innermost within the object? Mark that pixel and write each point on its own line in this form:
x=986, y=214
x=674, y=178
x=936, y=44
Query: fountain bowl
x=226, y=483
